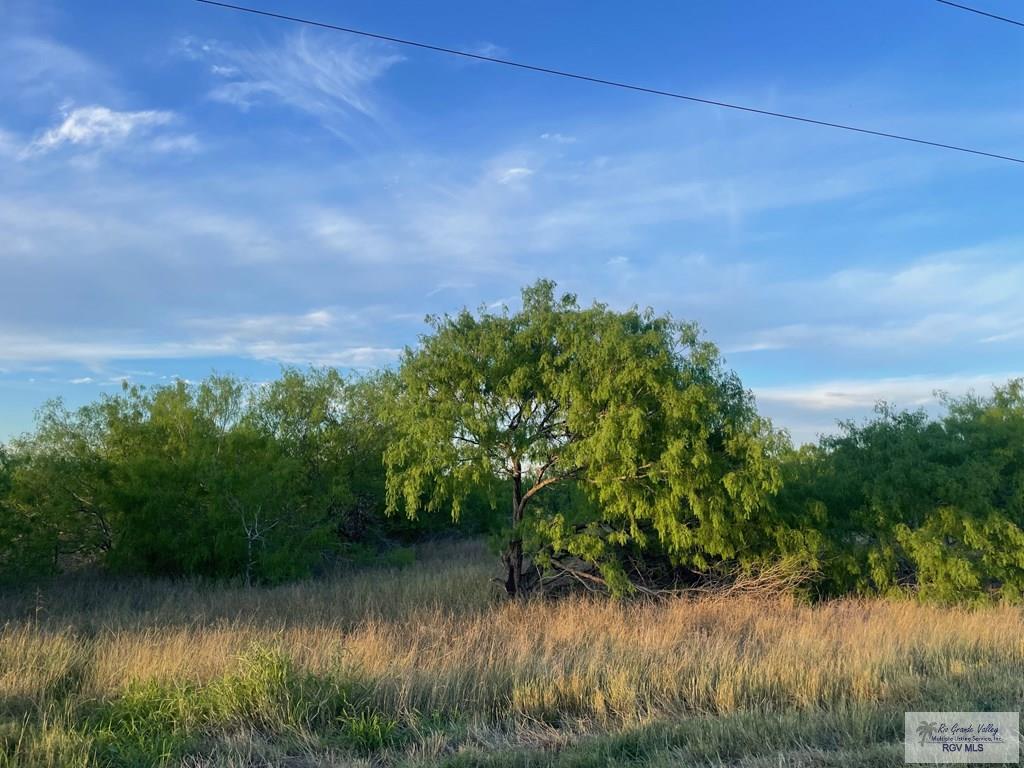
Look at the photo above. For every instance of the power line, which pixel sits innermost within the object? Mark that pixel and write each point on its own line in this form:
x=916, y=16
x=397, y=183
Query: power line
x=602, y=81
x=981, y=12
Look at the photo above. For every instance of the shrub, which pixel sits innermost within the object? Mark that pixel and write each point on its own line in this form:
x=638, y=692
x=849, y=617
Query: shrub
x=905, y=500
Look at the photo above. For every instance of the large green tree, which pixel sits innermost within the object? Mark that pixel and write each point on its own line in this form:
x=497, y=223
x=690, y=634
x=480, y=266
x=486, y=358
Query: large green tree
x=632, y=409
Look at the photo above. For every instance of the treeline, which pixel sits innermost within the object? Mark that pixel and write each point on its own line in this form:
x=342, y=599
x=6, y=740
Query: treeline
x=222, y=478
x=908, y=500
x=599, y=449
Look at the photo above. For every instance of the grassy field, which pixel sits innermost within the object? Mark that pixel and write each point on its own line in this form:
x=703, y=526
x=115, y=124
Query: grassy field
x=427, y=666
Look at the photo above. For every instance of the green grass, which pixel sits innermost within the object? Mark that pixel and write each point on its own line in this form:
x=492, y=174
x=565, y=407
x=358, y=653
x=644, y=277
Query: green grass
x=154, y=723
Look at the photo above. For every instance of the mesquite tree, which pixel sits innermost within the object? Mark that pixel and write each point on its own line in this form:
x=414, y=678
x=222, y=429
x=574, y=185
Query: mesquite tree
x=631, y=407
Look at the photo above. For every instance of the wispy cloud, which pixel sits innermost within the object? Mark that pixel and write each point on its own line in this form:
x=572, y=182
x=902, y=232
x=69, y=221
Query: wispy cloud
x=297, y=341
x=905, y=391
x=969, y=295
x=352, y=235
x=9, y=144
x=812, y=409
x=37, y=71
x=186, y=143
x=491, y=50
x=323, y=78
x=278, y=326
x=321, y=336
x=1014, y=333
x=280, y=260
x=511, y=175
x=98, y=126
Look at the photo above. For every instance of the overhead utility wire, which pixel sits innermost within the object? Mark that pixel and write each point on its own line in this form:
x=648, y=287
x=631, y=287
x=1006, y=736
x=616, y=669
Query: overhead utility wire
x=602, y=81
x=981, y=12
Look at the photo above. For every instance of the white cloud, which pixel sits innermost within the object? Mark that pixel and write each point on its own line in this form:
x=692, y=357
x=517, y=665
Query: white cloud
x=449, y=286
x=351, y=235
x=320, y=76
x=941, y=279
x=904, y=392
x=810, y=410
x=711, y=228
x=37, y=71
x=98, y=126
x=756, y=346
x=1011, y=335
x=277, y=326
x=511, y=175
x=970, y=295
x=8, y=144
x=490, y=50
x=245, y=237
x=281, y=338
x=187, y=143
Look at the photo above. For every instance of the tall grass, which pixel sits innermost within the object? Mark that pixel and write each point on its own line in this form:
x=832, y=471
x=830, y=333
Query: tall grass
x=428, y=665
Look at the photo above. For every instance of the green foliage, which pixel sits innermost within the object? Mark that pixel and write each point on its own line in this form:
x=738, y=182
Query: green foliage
x=150, y=724
x=156, y=723
x=368, y=731
x=909, y=501
x=589, y=445
x=58, y=499
x=28, y=536
x=633, y=407
x=220, y=479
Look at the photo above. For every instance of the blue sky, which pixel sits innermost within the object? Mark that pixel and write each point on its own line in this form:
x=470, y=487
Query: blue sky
x=186, y=189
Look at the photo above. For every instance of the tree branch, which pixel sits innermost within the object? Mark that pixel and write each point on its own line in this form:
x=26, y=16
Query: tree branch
x=534, y=489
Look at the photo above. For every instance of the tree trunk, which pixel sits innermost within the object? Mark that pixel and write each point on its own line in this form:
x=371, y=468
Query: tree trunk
x=513, y=555
x=248, y=560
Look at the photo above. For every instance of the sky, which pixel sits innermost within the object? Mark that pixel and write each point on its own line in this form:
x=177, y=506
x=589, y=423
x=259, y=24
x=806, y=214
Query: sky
x=186, y=189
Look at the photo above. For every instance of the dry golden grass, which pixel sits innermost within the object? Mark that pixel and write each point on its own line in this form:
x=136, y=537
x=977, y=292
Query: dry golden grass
x=435, y=643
